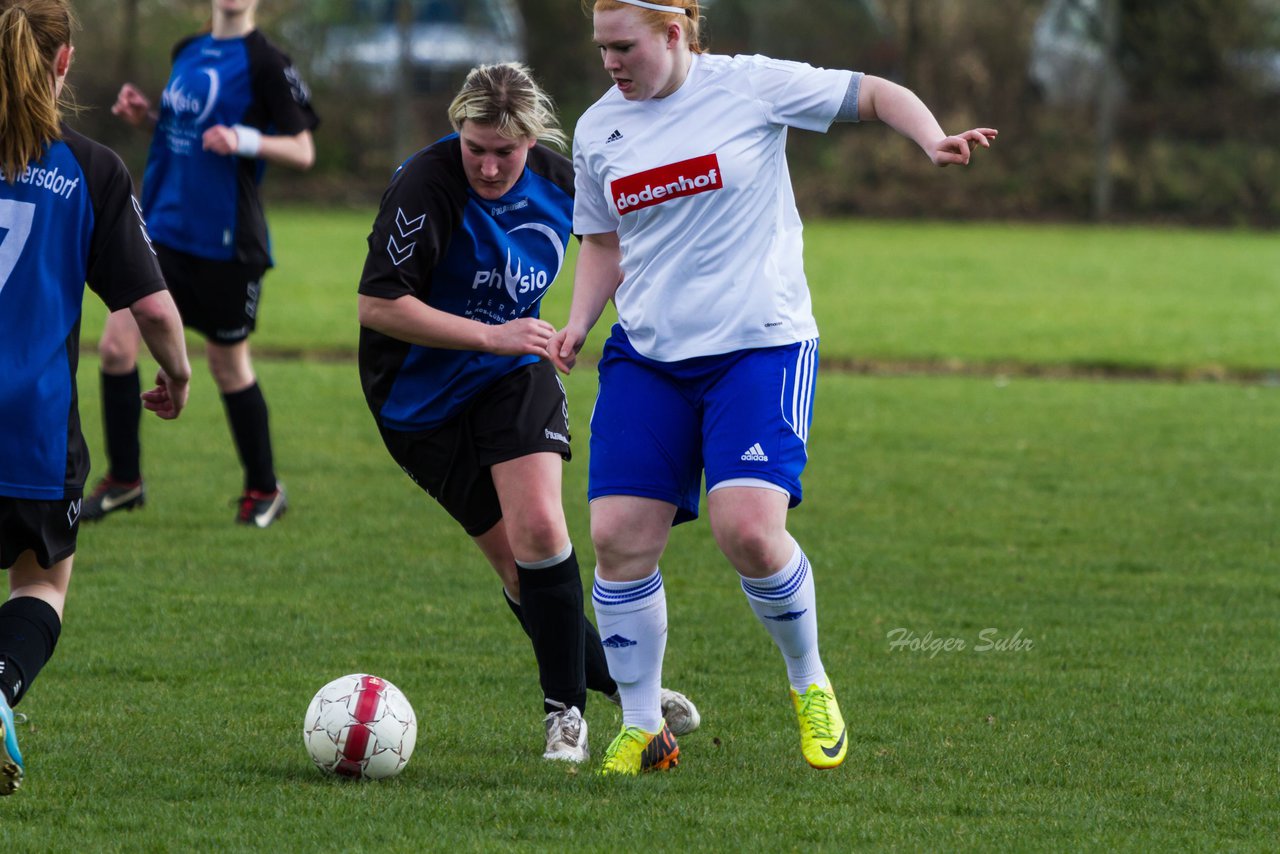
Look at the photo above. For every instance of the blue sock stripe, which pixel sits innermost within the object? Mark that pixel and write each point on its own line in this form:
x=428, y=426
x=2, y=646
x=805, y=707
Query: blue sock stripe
x=620, y=595
x=780, y=592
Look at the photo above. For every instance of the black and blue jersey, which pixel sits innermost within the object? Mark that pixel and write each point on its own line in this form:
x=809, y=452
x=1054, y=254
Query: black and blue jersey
x=491, y=261
x=207, y=204
x=68, y=219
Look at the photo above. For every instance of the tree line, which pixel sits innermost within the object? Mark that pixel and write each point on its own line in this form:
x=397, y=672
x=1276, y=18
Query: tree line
x=1178, y=124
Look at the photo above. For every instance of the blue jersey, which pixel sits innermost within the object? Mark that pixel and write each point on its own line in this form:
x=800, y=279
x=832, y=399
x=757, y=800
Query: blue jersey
x=207, y=204
x=68, y=219
x=434, y=239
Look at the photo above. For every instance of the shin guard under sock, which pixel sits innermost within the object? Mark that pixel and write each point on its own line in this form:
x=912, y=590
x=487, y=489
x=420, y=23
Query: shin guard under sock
x=551, y=605
x=29, y=629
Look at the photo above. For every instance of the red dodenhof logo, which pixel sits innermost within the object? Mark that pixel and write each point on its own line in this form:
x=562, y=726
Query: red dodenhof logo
x=672, y=181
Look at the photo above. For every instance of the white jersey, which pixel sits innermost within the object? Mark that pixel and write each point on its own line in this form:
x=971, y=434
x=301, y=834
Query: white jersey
x=697, y=187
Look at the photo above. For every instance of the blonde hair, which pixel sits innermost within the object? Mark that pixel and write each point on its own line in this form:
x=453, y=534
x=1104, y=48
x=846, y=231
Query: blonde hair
x=658, y=21
x=31, y=32
x=506, y=98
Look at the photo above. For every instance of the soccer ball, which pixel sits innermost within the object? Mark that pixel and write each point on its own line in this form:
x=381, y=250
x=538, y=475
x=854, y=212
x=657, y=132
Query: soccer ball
x=360, y=726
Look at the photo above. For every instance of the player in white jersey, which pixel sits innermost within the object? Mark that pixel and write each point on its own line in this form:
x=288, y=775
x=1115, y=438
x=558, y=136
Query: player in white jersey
x=468, y=239
x=689, y=224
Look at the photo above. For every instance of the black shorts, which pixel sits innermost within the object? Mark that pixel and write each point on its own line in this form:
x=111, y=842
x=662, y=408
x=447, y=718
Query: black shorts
x=48, y=528
x=218, y=299
x=523, y=413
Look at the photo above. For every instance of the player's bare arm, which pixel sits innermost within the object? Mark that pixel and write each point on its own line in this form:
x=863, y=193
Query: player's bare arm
x=409, y=319
x=595, y=281
x=902, y=110
x=296, y=151
x=161, y=329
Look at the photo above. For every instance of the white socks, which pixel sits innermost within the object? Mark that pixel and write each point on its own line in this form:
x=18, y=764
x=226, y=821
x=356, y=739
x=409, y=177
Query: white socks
x=632, y=617
x=787, y=606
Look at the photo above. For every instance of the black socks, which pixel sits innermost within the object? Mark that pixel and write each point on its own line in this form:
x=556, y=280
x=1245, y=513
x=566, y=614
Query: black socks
x=250, y=428
x=551, y=606
x=121, y=412
x=598, y=678
x=29, y=629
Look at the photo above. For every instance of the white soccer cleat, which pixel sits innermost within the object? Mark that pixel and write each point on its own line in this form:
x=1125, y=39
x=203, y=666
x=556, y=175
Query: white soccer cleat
x=566, y=735
x=681, y=714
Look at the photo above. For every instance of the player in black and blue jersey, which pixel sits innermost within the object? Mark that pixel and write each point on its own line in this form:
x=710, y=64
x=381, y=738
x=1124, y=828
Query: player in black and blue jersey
x=470, y=234
x=67, y=217
x=233, y=103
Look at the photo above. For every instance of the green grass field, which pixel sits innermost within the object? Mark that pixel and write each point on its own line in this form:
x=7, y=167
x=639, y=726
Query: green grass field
x=1117, y=540
x=1136, y=300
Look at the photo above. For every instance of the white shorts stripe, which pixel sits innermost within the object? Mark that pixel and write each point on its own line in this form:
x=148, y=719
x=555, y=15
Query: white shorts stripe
x=802, y=390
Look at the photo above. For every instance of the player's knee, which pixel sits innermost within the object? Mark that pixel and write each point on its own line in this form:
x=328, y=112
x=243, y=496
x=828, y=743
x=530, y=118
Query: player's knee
x=230, y=375
x=544, y=535
x=609, y=546
x=621, y=556
x=748, y=545
x=118, y=355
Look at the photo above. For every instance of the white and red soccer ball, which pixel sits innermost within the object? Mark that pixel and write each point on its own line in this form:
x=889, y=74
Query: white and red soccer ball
x=360, y=726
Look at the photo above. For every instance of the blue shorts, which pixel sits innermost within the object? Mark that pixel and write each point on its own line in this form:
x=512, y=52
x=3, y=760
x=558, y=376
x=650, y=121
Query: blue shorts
x=658, y=425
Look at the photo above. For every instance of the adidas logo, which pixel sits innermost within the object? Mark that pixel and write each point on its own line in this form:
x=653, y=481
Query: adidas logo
x=755, y=452
x=615, y=136
x=618, y=642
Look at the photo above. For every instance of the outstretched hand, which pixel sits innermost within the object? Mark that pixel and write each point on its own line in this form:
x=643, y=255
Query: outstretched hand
x=957, y=149
x=131, y=105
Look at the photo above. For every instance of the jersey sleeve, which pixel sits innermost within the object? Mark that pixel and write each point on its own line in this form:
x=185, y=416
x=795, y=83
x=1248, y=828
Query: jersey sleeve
x=122, y=266
x=797, y=94
x=415, y=221
x=592, y=213
x=284, y=96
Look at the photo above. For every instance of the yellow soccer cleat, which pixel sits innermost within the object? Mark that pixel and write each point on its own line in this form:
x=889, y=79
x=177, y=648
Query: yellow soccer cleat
x=822, y=731
x=633, y=750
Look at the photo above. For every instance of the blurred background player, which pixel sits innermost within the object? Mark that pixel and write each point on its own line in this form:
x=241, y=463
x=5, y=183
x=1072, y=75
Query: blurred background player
x=67, y=217
x=453, y=360
x=689, y=225
x=233, y=103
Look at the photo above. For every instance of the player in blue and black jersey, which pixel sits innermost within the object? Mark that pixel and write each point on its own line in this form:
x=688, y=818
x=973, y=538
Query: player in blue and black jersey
x=67, y=217
x=470, y=234
x=233, y=103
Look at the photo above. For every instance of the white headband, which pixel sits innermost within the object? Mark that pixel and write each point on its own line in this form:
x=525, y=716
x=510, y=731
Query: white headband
x=675, y=10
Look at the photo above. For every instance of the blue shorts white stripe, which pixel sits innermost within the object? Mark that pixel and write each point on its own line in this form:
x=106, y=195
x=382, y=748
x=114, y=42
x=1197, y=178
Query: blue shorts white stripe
x=658, y=427
x=805, y=376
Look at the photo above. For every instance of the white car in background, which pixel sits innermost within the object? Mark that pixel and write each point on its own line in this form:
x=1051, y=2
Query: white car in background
x=1067, y=59
x=444, y=36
